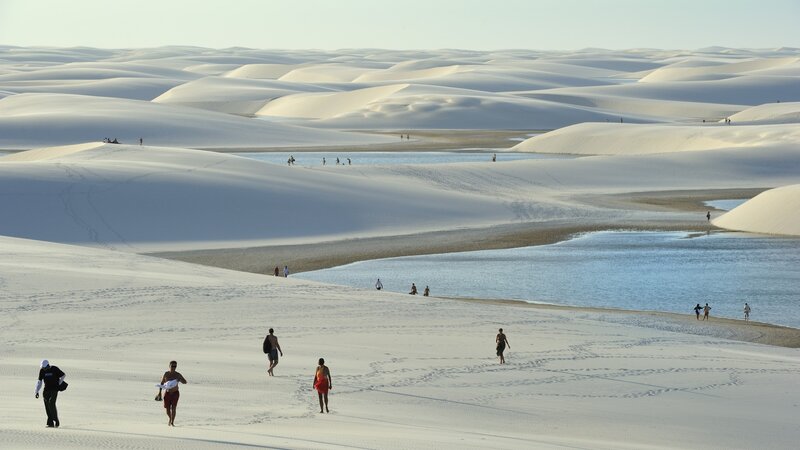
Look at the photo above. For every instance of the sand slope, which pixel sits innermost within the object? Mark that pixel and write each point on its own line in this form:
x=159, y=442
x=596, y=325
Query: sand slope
x=776, y=211
x=31, y=120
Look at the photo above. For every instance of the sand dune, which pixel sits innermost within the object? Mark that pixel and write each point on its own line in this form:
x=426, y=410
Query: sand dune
x=633, y=139
x=232, y=95
x=784, y=112
x=776, y=211
x=31, y=120
x=408, y=371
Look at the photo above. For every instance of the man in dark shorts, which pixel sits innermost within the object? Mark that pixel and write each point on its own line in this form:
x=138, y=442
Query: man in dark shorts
x=169, y=383
x=274, y=348
x=51, y=377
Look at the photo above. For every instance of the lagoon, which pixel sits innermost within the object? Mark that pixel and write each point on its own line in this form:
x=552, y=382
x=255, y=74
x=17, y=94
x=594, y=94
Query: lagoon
x=661, y=271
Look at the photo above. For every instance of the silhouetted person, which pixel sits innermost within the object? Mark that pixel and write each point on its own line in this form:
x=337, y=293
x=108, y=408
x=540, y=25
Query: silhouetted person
x=274, y=348
x=426, y=292
x=413, y=289
x=746, y=311
x=502, y=342
x=52, y=377
x=697, y=310
x=706, y=310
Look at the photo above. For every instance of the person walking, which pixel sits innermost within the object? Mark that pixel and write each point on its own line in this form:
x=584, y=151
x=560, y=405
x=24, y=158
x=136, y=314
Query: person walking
x=378, y=284
x=706, y=310
x=697, y=310
x=272, y=347
x=53, y=379
x=286, y=271
x=323, y=384
x=708, y=216
x=169, y=383
x=502, y=343
x=746, y=312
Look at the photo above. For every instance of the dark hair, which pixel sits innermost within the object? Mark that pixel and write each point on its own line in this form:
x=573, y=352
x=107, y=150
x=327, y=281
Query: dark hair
x=271, y=330
x=173, y=363
x=321, y=361
x=500, y=330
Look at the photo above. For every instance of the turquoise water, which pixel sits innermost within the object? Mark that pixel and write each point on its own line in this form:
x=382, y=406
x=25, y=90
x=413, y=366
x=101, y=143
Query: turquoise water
x=627, y=270
x=389, y=158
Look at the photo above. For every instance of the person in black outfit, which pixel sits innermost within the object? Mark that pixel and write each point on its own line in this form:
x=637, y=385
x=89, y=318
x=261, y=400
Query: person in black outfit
x=52, y=377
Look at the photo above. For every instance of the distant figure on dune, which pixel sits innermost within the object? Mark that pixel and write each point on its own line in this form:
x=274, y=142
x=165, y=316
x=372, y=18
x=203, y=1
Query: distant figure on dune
x=706, y=310
x=426, y=292
x=286, y=271
x=379, y=285
x=697, y=310
x=277, y=271
x=746, y=311
x=413, y=289
x=323, y=384
x=169, y=382
x=708, y=216
x=502, y=342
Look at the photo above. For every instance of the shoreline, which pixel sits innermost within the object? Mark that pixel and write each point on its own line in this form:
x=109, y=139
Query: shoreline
x=719, y=327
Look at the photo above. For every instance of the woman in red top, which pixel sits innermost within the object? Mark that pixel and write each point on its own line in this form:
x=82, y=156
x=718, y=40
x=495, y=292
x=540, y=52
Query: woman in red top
x=323, y=383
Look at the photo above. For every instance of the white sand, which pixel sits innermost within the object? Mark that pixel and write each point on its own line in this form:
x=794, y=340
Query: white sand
x=407, y=371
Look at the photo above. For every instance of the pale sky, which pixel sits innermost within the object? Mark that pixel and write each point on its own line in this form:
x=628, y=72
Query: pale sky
x=402, y=24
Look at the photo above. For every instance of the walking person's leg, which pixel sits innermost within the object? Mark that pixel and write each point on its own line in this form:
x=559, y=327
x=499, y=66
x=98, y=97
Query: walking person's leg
x=320, y=401
x=50, y=397
x=325, y=396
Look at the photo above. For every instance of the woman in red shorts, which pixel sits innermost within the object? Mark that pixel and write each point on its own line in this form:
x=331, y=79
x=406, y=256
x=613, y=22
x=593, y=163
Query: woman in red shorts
x=323, y=383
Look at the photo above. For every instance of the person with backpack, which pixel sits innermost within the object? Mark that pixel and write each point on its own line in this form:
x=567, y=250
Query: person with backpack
x=271, y=349
x=53, y=379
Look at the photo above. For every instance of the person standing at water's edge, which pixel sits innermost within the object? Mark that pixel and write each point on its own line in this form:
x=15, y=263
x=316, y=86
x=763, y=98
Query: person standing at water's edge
x=502, y=342
x=697, y=310
x=274, y=347
x=746, y=312
x=169, y=383
x=706, y=310
x=286, y=271
x=378, y=284
x=413, y=289
x=52, y=377
x=426, y=292
x=323, y=383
